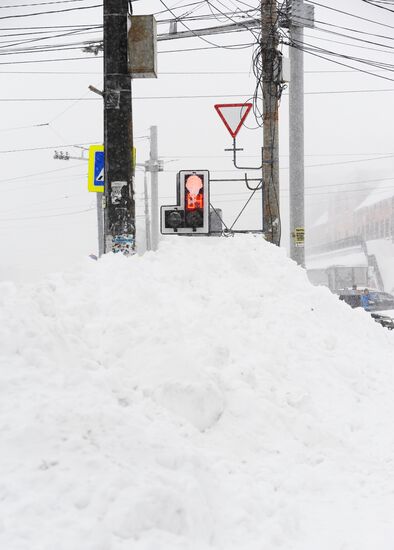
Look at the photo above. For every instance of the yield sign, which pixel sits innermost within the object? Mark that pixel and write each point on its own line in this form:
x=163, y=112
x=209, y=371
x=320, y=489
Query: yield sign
x=233, y=115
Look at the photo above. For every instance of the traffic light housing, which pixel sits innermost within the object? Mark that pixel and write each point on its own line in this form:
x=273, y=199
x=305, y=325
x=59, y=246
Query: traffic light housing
x=191, y=215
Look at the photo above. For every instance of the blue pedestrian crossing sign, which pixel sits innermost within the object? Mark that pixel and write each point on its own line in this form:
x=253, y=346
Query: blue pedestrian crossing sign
x=96, y=169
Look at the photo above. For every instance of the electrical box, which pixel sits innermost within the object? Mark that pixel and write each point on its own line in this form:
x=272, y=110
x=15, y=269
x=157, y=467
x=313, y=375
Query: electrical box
x=142, y=46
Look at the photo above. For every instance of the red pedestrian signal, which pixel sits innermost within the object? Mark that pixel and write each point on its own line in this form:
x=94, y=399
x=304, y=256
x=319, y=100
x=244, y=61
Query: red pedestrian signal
x=191, y=214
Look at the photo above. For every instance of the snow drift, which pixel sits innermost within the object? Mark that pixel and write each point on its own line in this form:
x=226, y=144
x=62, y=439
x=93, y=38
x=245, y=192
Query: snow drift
x=202, y=397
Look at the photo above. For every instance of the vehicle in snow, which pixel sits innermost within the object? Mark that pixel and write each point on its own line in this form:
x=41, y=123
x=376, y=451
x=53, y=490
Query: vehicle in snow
x=381, y=305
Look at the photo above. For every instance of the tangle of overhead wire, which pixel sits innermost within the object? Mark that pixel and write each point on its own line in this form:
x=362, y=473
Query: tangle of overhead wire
x=221, y=46
x=377, y=5
x=325, y=55
x=351, y=14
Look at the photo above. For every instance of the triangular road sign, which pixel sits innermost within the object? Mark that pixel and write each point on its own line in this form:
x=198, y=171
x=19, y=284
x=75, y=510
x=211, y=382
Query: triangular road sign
x=233, y=115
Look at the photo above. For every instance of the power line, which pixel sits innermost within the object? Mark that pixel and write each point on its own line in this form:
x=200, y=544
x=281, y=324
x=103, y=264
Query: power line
x=343, y=35
x=49, y=27
x=24, y=127
x=228, y=47
x=48, y=216
x=352, y=45
x=351, y=14
x=51, y=60
x=50, y=12
x=192, y=31
x=310, y=51
x=337, y=163
x=349, y=29
x=10, y=45
x=176, y=73
x=28, y=176
x=41, y=4
x=213, y=96
x=376, y=4
x=45, y=148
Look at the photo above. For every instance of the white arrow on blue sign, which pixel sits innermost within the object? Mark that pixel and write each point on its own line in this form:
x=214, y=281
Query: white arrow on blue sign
x=96, y=169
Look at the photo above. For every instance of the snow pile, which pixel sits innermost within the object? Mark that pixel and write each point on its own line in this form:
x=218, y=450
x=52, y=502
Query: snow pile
x=202, y=397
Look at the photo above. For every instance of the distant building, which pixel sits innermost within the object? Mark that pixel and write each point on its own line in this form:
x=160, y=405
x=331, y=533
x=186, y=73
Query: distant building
x=372, y=218
x=345, y=244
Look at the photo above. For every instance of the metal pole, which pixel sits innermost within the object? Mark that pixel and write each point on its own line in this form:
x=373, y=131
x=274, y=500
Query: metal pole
x=154, y=175
x=147, y=217
x=296, y=146
x=270, y=73
x=100, y=223
x=119, y=212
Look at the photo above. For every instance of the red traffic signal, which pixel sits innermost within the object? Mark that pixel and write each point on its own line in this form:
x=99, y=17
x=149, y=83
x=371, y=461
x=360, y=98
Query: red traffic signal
x=191, y=214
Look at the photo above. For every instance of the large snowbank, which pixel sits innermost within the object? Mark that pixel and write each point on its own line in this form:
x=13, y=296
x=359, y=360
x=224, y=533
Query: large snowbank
x=202, y=397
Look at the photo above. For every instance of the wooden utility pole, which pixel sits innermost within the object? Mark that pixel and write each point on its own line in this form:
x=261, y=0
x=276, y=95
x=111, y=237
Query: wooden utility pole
x=270, y=79
x=119, y=207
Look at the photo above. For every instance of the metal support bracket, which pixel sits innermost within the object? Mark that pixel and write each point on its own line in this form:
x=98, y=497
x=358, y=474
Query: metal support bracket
x=234, y=150
x=111, y=97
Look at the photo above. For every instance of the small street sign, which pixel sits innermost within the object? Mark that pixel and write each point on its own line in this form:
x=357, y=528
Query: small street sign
x=96, y=169
x=299, y=236
x=233, y=115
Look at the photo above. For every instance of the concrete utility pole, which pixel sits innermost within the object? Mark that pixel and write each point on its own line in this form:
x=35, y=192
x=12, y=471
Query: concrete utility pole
x=270, y=77
x=119, y=211
x=100, y=223
x=154, y=166
x=154, y=174
x=147, y=217
x=299, y=16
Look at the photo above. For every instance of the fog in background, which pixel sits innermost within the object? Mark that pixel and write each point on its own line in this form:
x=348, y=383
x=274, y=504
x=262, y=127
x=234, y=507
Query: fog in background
x=47, y=216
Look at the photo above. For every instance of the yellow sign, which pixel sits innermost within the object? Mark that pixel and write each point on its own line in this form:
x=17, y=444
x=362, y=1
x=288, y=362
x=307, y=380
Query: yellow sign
x=96, y=167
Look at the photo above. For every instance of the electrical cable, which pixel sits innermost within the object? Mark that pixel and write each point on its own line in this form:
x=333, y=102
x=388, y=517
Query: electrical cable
x=194, y=33
x=48, y=216
x=350, y=14
x=371, y=3
x=49, y=12
x=298, y=46
x=343, y=35
x=41, y=4
x=223, y=96
x=85, y=58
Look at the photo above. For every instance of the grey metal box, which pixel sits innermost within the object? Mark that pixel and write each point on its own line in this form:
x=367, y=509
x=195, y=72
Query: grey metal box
x=142, y=46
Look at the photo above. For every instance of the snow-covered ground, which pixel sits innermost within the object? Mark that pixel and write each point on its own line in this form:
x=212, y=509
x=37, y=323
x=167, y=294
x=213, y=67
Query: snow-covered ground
x=202, y=397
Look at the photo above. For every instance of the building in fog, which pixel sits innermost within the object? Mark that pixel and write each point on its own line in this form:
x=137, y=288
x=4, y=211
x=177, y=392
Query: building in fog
x=372, y=218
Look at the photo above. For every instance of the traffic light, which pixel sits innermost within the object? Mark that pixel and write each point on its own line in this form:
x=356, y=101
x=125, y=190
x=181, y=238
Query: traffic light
x=191, y=214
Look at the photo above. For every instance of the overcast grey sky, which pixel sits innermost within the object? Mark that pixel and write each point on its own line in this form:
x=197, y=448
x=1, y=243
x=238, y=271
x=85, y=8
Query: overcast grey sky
x=47, y=216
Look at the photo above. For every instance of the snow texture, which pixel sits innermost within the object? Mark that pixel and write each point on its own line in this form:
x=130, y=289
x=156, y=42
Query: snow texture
x=204, y=397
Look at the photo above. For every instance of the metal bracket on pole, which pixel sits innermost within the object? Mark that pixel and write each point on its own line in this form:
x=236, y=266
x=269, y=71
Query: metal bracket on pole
x=111, y=97
x=96, y=90
x=234, y=149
